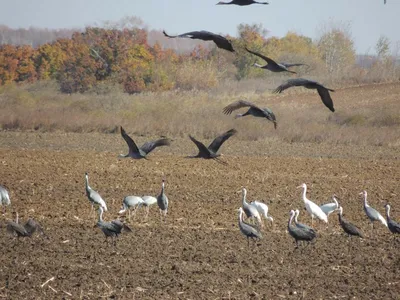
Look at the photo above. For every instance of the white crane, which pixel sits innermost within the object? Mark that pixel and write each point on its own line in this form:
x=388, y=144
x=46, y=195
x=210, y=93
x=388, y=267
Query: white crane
x=372, y=213
x=262, y=209
x=313, y=209
x=93, y=196
x=4, y=198
x=329, y=208
x=250, y=210
x=131, y=203
x=147, y=202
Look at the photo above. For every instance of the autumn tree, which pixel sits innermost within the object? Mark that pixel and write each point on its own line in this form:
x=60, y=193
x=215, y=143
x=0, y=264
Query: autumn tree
x=336, y=48
x=253, y=37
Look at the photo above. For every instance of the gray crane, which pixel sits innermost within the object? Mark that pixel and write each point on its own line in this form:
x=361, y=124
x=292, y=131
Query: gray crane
x=248, y=230
x=139, y=153
x=348, y=227
x=372, y=214
x=309, y=84
x=253, y=110
x=147, y=202
x=299, y=234
x=26, y=230
x=131, y=203
x=250, y=210
x=210, y=152
x=4, y=198
x=162, y=201
x=242, y=2
x=93, y=196
x=274, y=66
x=111, y=229
x=393, y=226
x=301, y=225
x=219, y=40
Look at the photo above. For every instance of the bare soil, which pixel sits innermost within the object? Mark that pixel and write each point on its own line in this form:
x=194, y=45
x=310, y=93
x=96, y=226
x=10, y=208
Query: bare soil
x=199, y=252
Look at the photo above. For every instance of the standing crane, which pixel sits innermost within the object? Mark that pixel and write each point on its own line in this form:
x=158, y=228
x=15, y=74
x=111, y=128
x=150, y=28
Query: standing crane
x=372, y=214
x=147, y=202
x=210, y=152
x=138, y=153
x=111, y=229
x=248, y=230
x=274, y=66
x=93, y=196
x=131, y=203
x=299, y=234
x=251, y=211
x=300, y=225
x=309, y=84
x=262, y=209
x=253, y=110
x=242, y=2
x=4, y=198
x=349, y=228
x=394, y=227
x=162, y=201
x=329, y=208
x=219, y=40
x=313, y=209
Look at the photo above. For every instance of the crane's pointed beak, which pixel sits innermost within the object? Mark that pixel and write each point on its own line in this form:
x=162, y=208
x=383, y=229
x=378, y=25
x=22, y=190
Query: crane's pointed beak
x=300, y=186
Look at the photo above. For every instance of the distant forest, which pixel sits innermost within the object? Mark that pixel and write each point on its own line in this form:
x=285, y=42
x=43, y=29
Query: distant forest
x=137, y=59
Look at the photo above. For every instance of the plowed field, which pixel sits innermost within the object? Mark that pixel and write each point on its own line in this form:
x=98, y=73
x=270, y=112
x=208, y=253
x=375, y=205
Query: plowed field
x=199, y=252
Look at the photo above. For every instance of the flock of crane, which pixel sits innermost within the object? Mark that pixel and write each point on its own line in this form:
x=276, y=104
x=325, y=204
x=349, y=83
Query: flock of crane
x=255, y=210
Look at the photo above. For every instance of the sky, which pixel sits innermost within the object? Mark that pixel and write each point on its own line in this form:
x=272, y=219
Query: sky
x=369, y=19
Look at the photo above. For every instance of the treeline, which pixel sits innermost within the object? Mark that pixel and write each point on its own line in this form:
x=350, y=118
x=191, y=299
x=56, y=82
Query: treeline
x=100, y=57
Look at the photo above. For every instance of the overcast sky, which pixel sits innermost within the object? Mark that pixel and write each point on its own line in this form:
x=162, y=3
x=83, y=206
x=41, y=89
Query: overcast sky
x=369, y=18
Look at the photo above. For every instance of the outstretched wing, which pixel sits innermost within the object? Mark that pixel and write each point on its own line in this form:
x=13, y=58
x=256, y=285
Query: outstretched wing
x=288, y=65
x=202, y=35
x=131, y=144
x=325, y=97
x=291, y=83
x=150, y=146
x=203, y=150
x=218, y=141
x=238, y=104
x=267, y=59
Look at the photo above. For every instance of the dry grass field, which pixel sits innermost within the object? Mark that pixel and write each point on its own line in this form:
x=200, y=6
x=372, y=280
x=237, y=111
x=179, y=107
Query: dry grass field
x=199, y=253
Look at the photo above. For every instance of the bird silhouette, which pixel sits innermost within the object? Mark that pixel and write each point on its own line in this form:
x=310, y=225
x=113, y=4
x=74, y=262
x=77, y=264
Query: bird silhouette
x=272, y=65
x=219, y=40
x=138, y=153
x=241, y=2
x=210, y=152
x=253, y=110
x=309, y=84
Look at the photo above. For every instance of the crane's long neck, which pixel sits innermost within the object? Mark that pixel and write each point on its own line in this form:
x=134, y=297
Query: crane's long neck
x=258, y=65
x=290, y=220
x=101, y=215
x=387, y=212
x=365, y=200
x=336, y=203
x=240, y=217
x=162, y=188
x=304, y=194
x=87, y=183
x=295, y=217
x=244, y=203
